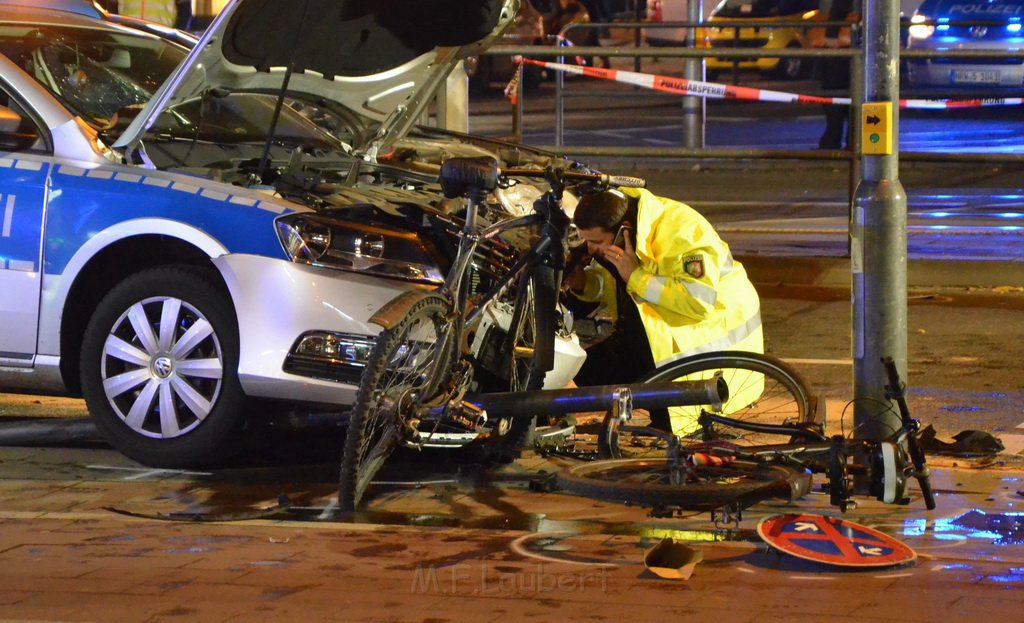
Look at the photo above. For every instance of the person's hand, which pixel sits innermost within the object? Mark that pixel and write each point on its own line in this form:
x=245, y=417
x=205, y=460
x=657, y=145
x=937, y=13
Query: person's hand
x=575, y=278
x=624, y=260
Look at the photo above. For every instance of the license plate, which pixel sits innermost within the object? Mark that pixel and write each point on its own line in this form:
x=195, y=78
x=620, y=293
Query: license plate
x=975, y=76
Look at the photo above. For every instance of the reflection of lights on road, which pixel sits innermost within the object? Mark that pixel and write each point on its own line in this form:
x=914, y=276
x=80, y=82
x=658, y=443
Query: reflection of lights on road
x=943, y=214
x=1000, y=528
x=974, y=230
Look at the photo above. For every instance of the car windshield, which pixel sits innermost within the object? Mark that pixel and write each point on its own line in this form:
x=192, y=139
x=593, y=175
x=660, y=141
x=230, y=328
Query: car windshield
x=763, y=8
x=106, y=76
x=94, y=72
x=236, y=118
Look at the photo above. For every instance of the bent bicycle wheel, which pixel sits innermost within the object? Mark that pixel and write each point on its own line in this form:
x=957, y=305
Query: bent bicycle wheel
x=530, y=351
x=763, y=390
x=648, y=482
x=405, y=368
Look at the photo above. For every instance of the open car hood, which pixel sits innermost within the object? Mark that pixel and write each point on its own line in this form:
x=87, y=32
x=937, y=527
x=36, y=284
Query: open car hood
x=382, y=58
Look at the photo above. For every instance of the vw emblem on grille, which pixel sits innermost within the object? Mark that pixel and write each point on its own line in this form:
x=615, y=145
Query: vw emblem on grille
x=163, y=367
x=979, y=31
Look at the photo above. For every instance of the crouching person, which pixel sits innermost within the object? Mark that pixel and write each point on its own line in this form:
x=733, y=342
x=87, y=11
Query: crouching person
x=677, y=292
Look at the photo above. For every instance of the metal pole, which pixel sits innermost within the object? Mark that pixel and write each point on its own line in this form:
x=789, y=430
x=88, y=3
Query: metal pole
x=693, y=69
x=560, y=101
x=517, y=107
x=638, y=14
x=878, y=249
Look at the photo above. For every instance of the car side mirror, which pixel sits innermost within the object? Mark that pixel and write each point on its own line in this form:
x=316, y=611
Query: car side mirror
x=10, y=121
x=12, y=134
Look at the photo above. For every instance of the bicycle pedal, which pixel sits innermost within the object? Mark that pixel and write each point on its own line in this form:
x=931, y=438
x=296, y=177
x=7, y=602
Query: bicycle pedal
x=662, y=512
x=545, y=483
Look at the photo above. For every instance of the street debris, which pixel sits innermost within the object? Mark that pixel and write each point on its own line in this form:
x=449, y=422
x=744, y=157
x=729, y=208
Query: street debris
x=966, y=443
x=671, y=560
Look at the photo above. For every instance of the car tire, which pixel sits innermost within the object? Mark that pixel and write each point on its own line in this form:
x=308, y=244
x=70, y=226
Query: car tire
x=167, y=399
x=792, y=68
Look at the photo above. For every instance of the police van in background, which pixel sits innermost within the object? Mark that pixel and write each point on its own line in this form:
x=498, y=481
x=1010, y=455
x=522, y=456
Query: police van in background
x=943, y=25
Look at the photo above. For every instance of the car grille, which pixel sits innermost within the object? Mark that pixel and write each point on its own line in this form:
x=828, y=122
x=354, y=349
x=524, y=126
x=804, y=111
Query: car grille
x=493, y=258
x=739, y=43
x=327, y=369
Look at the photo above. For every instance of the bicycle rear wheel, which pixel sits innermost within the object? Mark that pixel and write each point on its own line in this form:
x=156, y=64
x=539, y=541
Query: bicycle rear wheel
x=648, y=482
x=762, y=390
x=407, y=366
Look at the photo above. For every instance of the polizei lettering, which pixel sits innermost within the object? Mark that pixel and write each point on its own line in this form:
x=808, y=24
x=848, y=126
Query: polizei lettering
x=711, y=90
x=980, y=9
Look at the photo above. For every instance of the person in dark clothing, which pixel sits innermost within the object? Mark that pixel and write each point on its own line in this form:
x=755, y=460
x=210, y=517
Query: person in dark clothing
x=835, y=76
x=184, y=19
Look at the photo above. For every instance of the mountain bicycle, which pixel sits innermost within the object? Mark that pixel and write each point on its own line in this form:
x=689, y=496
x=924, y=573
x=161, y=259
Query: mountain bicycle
x=716, y=474
x=434, y=343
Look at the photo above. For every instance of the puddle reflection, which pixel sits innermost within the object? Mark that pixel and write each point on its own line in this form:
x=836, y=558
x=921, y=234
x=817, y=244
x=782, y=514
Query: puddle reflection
x=999, y=528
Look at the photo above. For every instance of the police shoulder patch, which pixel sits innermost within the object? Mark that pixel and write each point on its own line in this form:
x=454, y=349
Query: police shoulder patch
x=694, y=266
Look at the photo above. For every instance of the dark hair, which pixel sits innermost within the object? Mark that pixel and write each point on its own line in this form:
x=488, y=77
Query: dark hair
x=607, y=209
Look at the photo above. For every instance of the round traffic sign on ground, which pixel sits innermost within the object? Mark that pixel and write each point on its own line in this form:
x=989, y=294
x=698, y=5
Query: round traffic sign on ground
x=833, y=541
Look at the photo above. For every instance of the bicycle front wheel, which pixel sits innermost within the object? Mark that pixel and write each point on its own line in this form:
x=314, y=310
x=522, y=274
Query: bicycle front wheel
x=650, y=482
x=762, y=390
x=406, y=367
x=531, y=337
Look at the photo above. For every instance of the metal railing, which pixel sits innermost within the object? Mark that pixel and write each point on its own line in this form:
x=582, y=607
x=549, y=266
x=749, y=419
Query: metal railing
x=852, y=55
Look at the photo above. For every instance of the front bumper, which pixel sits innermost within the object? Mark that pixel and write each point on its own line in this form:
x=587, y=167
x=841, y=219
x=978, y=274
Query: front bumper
x=964, y=75
x=759, y=64
x=961, y=72
x=276, y=301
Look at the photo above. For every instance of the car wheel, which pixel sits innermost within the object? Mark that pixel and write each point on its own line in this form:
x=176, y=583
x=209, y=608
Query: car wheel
x=160, y=369
x=791, y=68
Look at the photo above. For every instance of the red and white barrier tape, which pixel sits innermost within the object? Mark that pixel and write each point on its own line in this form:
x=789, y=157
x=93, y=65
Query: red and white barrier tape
x=974, y=103
x=682, y=86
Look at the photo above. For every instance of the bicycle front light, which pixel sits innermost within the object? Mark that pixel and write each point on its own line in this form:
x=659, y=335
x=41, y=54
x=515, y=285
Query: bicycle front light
x=318, y=241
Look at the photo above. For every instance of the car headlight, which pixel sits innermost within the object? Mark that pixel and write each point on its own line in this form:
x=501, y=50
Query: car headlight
x=918, y=29
x=317, y=241
x=518, y=199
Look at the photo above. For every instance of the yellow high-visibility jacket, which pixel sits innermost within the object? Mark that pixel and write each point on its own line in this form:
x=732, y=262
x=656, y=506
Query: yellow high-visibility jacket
x=160, y=11
x=692, y=296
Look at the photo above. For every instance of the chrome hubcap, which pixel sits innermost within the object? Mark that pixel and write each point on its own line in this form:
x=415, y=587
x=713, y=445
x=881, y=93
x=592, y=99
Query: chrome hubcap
x=162, y=367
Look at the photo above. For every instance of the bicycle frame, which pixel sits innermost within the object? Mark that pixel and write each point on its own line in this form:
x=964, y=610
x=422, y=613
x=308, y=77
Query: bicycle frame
x=888, y=464
x=548, y=248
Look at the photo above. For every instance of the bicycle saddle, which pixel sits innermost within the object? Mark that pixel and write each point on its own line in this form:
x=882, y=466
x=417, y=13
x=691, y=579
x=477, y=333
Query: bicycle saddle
x=459, y=176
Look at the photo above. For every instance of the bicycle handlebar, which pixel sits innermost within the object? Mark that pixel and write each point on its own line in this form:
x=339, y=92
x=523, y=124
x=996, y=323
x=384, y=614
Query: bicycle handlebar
x=602, y=179
x=895, y=391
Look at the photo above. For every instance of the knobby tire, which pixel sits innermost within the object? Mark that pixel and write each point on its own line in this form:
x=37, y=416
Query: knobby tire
x=405, y=368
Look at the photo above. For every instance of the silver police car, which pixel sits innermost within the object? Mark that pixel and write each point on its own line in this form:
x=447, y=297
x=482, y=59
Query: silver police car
x=944, y=25
x=184, y=230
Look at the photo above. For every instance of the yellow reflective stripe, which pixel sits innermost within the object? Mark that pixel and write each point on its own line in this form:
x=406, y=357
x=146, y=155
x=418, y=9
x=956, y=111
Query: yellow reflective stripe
x=726, y=266
x=652, y=292
x=656, y=287
x=735, y=336
x=703, y=293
